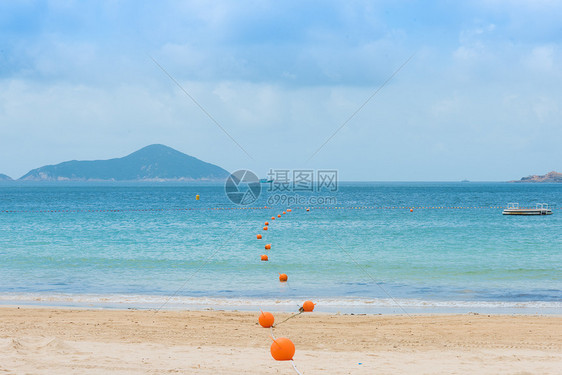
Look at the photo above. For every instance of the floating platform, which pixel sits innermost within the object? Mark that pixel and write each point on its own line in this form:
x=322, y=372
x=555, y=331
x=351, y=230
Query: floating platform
x=540, y=209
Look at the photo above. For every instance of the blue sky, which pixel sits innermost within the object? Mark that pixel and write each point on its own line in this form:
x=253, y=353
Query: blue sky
x=481, y=98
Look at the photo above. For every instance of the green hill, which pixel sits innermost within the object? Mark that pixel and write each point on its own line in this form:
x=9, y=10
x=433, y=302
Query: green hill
x=151, y=163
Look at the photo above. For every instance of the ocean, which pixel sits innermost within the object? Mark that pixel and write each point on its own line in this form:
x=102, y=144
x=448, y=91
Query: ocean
x=362, y=250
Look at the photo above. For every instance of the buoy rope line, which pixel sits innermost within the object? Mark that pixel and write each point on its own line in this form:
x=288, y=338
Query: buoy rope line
x=295, y=367
x=290, y=317
x=271, y=325
x=302, y=309
x=132, y=210
x=117, y=210
x=292, y=360
x=412, y=207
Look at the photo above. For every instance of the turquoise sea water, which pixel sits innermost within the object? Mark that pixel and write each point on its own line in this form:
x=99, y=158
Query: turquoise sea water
x=146, y=245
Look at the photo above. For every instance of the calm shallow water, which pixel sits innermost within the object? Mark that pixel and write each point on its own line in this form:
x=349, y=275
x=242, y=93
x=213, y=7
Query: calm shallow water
x=138, y=245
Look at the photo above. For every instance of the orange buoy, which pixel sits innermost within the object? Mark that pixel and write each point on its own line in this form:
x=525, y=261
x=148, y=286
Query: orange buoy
x=258, y=236
x=278, y=215
x=273, y=218
x=411, y=210
x=282, y=349
x=284, y=212
x=289, y=210
x=266, y=319
x=308, y=209
x=283, y=277
x=264, y=228
x=308, y=306
x=268, y=246
x=266, y=223
x=264, y=258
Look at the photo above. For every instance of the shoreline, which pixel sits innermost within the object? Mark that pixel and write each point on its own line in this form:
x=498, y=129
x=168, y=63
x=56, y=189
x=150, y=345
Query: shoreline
x=324, y=305
x=86, y=341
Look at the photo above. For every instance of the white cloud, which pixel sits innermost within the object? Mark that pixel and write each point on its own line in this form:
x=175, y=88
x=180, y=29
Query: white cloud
x=542, y=58
x=547, y=110
x=281, y=78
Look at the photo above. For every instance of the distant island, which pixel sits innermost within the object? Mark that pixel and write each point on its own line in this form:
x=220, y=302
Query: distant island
x=151, y=163
x=549, y=177
x=3, y=177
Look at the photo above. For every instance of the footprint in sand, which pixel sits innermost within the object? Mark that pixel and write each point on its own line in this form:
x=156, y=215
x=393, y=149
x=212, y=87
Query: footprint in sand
x=52, y=344
x=11, y=345
x=57, y=345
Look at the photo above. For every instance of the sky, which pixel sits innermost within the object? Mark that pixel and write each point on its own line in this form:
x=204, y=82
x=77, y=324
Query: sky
x=479, y=98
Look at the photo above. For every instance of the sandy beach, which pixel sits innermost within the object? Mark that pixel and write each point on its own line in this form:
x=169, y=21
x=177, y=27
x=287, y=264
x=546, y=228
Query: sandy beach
x=51, y=341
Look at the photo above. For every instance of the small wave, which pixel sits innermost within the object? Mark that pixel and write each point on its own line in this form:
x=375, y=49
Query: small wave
x=325, y=304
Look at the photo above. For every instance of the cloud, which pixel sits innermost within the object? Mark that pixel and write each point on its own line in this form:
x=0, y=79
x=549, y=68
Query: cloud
x=542, y=58
x=318, y=43
x=76, y=81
